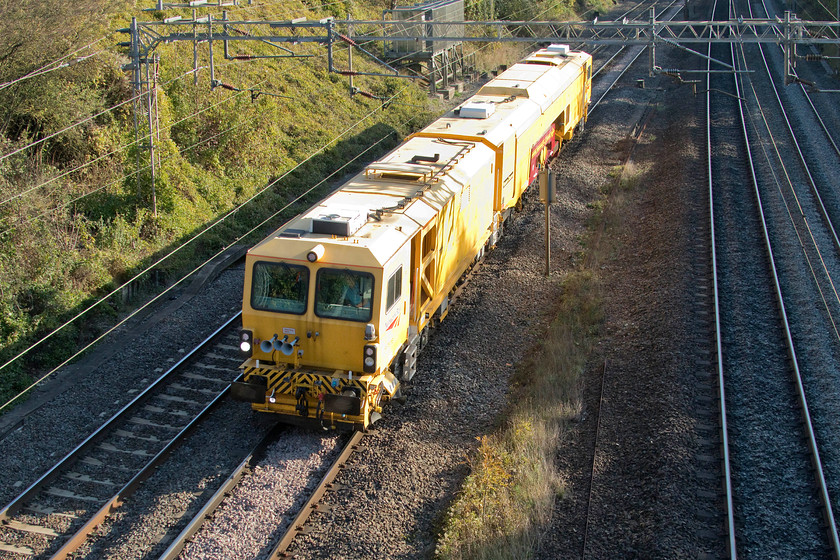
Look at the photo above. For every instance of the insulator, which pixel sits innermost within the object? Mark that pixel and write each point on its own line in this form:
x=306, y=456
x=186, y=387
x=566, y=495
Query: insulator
x=346, y=39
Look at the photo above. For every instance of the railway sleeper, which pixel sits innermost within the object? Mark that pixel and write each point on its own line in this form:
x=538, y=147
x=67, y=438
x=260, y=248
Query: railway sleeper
x=22, y=550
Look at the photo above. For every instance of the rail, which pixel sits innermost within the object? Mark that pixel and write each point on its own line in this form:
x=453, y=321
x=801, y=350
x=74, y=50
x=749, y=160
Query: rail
x=115, y=501
x=806, y=415
x=724, y=428
x=296, y=526
x=206, y=512
x=784, y=324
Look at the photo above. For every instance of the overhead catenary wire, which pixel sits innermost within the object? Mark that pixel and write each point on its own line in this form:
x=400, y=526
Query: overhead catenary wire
x=187, y=243
x=57, y=64
x=123, y=147
x=204, y=231
x=42, y=72
x=114, y=151
x=188, y=275
x=828, y=11
x=70, y=127
x=168, y=158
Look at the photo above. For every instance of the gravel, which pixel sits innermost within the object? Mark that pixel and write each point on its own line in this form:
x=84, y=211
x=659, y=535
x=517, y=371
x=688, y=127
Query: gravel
x=396, y=488
x=266, y=501
x=411, y=467
x=639, y=391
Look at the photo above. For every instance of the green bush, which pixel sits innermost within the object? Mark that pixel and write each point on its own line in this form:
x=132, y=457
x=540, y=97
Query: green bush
x=77, y=218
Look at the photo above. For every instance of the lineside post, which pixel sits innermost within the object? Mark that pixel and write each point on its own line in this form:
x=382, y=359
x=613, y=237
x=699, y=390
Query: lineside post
x=195, y=49
x=652, y=46
x=548, y=194
x=547, y=239
x=330, y=40
x=350, y=50
x=151, y=96
x=210, y=48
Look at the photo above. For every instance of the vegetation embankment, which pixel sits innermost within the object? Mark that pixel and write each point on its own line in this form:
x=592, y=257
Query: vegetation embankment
x=79, y=213
x=507, y=501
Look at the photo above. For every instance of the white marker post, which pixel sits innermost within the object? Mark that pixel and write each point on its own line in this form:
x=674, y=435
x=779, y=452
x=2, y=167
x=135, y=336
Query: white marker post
x=548, y=194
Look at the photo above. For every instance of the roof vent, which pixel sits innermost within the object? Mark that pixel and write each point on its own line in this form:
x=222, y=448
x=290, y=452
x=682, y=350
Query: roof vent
x=559, y=49
x=293, y=233
x=419, y=158
x=342, y=223
x=476, y=110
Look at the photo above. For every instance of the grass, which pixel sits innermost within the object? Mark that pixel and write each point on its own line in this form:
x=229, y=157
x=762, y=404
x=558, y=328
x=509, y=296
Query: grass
x=72, y=226
x=76, y=218
x=507, y=501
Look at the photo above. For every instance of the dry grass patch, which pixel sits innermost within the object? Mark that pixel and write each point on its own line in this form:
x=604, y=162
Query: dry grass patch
x=509, y=497
x=507, y=501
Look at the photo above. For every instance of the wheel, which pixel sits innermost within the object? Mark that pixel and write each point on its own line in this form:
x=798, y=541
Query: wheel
x=424, y=338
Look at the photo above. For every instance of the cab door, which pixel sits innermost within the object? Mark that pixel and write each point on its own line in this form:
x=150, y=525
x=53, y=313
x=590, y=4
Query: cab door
x=424, y=273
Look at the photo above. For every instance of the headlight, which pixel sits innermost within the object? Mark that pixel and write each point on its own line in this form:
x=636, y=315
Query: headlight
x=245, y=338
x=315, y=254
x=369, y=358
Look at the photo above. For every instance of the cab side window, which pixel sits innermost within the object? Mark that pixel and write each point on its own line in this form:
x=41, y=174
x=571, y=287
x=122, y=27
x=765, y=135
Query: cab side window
x=394, y=288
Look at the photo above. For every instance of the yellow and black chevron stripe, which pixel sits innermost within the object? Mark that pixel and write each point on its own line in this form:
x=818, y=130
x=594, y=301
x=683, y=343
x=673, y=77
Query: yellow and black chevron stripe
x=287, y=380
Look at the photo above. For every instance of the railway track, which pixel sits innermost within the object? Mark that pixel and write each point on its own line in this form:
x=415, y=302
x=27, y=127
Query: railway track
x=272, y=541
x=55, y=514
x=772, y=454
x=602, y=405
x=728, y=536
x=614, y=65
x=217, y=499
x=229, y=488
x=296, y=527
x=278, y=550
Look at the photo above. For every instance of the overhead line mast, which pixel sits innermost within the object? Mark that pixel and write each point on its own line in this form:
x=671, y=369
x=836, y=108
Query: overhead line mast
x=789, y=32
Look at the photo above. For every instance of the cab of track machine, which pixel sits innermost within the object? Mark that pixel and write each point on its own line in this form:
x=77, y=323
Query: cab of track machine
x=324, y=315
